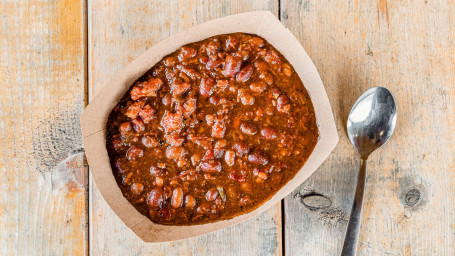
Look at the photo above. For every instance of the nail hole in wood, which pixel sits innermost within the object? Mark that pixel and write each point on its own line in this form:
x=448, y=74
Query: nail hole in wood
x=412, y=197
x=315, y=201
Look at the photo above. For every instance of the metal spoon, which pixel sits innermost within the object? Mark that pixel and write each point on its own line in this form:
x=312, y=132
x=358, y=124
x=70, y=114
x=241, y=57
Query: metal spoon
x=370, y=124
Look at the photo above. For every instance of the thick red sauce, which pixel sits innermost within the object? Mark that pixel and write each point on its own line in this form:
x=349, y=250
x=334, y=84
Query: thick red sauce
x=213, y=130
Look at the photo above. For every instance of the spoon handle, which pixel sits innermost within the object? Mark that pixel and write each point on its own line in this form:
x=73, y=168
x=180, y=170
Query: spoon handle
x=352, y=233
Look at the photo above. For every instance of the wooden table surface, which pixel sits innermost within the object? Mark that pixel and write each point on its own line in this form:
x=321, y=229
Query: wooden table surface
x=55, y=55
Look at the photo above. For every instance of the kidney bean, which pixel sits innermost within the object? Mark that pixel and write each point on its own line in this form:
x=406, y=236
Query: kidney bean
x=136, y=188
x=258, y=157
x=229, y=157
x=272, y=58
x=190, y=202
x=283, y=105
x=211, y=166
x=241, y=148
x=258, y=86
x=256, y=41
x=211, y=194
x=249, y=128
x=134, y=153
x=247, y=99
x=245, y=73
x=174, y=152
x=232, y=65
x=187, y=53
x=214, y=64
x=269, y=133
x=155, y=198
x=206, y=86
x=267, y=77
x=149, y=141
x=287, y=70
x=177, y=198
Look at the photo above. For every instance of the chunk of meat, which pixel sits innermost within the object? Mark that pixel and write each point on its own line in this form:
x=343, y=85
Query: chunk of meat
x=174, y=139
x=174, y=152
x=213, y=47
x=172, y=122
x=147, y=114
x=157, y=172
x=211, y=166
x=148, y=88
x=222, y=84
x=231, y=43
x=125, y=128
x=179, y=88
x=134, y=153
x=238, y=175
x=232, y=65
x=206, y=87
x=134, y=109
x=219, y=128
x=245, y=73
x=138, y=125
x=187, y=53
x=149, y=141
x=189, y=106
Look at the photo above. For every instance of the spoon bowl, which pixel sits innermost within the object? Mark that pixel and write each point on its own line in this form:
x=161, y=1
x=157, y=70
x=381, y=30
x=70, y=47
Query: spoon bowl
x=370, y=124
x=372, y=120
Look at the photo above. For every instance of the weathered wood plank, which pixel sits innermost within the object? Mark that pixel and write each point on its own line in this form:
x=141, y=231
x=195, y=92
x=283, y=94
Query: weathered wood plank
x=43, y=189
x=119, y=32
x=407, y=47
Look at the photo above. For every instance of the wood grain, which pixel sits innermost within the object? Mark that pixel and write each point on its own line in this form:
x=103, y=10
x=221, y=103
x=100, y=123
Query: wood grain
x=407, y=47
x=43, y=189
x=120, y=31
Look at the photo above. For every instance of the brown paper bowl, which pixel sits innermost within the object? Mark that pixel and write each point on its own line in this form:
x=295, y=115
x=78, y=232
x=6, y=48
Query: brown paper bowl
x=94, y=118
